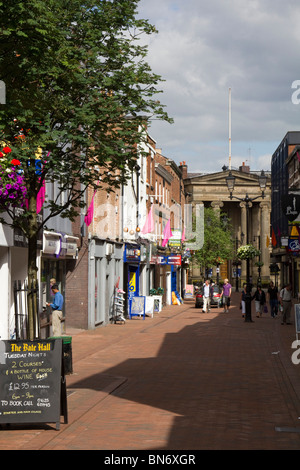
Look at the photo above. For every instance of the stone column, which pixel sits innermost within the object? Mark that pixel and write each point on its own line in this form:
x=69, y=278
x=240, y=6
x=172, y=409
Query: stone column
x=244, y=231
x=265, y=231
x=216, y=205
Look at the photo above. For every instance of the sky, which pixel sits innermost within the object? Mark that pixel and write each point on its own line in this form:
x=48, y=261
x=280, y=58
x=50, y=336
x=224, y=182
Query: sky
x=202, y=49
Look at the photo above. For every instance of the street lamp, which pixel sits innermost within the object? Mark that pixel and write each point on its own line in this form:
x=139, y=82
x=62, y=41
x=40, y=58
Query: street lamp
x=230, y=181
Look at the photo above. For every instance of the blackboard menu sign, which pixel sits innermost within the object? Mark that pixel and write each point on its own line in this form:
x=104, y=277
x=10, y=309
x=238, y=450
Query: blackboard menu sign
x=30, y=381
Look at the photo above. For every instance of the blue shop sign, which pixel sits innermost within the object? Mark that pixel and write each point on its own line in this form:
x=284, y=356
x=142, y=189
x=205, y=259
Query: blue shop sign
x=294, y=244
x=169, y=260
x=132, y=254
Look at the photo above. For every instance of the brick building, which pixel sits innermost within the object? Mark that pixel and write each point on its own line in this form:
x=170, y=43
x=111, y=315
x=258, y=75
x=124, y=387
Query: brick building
x=114, y=249
x=286, y=210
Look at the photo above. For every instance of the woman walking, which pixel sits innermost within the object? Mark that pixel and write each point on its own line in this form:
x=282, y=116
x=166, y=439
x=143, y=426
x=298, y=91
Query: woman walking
x=243, y=299
x=260, y=300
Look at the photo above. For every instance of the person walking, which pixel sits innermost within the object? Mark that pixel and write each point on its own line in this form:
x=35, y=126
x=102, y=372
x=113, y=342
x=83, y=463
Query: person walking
x=56, y=306
x=273, y=299
x=260, y=300
x=286, y=303
x=206, y=296
x=243, y=299
x=226, y=295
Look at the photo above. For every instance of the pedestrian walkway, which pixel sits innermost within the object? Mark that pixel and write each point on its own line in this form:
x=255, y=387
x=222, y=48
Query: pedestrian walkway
x=183, y=380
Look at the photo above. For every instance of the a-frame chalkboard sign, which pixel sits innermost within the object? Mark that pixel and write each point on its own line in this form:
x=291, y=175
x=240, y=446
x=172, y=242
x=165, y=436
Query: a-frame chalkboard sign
x=32, y=382
x=297, y=319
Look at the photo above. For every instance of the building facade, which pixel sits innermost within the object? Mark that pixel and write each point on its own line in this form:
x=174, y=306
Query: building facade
x=285, y=187
x=211, y=191
x=115, y=249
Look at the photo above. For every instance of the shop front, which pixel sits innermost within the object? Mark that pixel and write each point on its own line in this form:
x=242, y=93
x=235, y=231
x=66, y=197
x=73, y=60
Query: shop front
x=132, y=259
x=105, y=272
x=58, y=249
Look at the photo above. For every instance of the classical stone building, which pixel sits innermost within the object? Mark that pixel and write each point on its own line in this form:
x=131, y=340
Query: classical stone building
x=211, y=190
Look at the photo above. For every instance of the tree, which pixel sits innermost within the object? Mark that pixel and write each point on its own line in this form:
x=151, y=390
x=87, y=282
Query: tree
x=218, y=244
x=78, y=92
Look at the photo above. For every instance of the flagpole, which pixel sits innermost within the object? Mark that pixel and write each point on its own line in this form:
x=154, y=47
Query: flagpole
x=229, y=128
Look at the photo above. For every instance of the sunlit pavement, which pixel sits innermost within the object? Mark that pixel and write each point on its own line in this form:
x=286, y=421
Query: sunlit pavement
x=182, y=380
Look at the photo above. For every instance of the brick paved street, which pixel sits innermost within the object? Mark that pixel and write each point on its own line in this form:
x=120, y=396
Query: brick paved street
x=183, y=380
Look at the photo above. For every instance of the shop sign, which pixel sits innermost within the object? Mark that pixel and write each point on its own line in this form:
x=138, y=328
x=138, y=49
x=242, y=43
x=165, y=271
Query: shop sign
x=174, y=259
x=132, y=254
x=166, y=260
x=294, y=244
x=290, y=204
x=144, y=254
x=175, y=240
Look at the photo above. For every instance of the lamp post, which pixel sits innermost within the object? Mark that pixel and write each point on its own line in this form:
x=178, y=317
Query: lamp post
x=230, y=181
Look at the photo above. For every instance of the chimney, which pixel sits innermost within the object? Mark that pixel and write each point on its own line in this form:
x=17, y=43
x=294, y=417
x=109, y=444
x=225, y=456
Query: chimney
x=183, y=167
x=244, y=168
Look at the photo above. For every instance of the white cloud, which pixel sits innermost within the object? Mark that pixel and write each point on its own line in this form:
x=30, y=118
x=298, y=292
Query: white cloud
x=202, y=49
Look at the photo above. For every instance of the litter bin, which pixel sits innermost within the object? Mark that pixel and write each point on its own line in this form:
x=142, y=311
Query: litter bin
x=67, y=353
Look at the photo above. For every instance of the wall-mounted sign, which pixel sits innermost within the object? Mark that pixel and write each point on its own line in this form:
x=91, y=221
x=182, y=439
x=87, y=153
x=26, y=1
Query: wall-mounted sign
x=132, y=253
x=167, y=260
x=290, y=204
x=174, y=259
x=294, y=244
x=175, y=240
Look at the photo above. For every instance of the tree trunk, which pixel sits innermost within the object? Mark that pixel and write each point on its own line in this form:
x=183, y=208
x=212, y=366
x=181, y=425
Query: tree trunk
x=33, y=328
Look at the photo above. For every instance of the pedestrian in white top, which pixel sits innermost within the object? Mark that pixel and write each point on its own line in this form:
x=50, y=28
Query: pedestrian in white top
x=206, y=296
x=286, y=302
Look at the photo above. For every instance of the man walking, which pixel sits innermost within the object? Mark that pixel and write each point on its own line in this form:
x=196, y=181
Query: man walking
x=206, y=296
x=56, y=306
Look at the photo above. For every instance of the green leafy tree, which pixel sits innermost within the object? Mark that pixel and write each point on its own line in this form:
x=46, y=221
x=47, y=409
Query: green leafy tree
x=78, y=93
x=218, y=243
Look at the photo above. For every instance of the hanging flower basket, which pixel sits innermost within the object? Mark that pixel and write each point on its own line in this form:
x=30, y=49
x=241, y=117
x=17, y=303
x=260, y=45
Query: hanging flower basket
x=259, y=264
x=247, y=252
x=12, y=189
x=12, y=186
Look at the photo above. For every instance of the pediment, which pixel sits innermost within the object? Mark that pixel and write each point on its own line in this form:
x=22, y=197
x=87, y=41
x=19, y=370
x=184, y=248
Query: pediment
x=219, y=178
